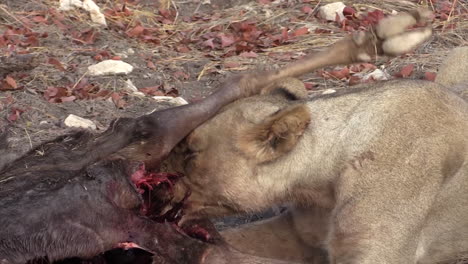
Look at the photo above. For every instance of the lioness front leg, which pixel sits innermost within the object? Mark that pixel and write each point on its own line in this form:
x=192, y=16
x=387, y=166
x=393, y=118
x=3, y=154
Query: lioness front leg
x=381, y=212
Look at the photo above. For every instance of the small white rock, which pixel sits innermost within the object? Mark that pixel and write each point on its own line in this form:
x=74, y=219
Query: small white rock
x=329, y=91
x=109, y=67
x=329, y=11
x=377, y=75
x=311, y=27
x=66, y=5
x=76, y=121
x=139, y=94
x=95, y=13
x=129, y=86
x=172, y=100
x=180, y=101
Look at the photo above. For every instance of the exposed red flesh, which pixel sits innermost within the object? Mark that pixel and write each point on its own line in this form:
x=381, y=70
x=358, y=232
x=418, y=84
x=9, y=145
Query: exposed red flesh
x=147, y=182
x=198, y=232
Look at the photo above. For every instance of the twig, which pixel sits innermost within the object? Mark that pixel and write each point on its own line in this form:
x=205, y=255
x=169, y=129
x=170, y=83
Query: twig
x=205, y=68
x=313, y=10
x=177, y=12
x=79, y=80
x=14, y=17
x=450, y=14
x=432, y=5
x=27, y=134
x=198, y=7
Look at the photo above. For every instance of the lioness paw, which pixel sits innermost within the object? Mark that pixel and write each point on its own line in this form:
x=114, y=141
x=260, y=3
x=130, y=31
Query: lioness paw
x=391, y=35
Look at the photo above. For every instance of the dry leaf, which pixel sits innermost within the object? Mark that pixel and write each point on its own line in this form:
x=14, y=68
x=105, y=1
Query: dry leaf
x=11, y=82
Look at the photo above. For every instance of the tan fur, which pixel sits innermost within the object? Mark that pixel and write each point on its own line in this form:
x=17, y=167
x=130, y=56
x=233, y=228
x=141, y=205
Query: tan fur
x=292, y=86
x=392, y=30
x=390, y=162
x=451, y=71
x=296, y=235
x=276, y=136
x=386, y=165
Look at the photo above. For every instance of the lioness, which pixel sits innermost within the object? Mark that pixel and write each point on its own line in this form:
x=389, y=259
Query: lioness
x=383, y=166
x=298, y=233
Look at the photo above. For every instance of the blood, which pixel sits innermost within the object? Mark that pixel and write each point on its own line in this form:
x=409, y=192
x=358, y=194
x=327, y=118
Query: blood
x=157, y=192
x=198, y=232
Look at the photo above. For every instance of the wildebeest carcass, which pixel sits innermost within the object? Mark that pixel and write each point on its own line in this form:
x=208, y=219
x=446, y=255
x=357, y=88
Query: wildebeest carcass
x=82, y=194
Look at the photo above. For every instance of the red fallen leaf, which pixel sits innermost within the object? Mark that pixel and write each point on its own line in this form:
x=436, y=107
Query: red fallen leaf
x=307, y=9
x=151, y=65
x=322, y=31
x=265, y=2
x=249, y=54
x=118, y=100
x=374, y=17
x=53, y=94
x=8, y=100
x=362, y=67
x=338, y=74
x=406, y=71
x=301, y=31
x=310, y=85
x=60, y=25
x=116, y=58
x=14, y=114
x=85, y=37
x=11, y=82
x=231, y=64
x=353, y=80
x=152, y=90
x=31, y=41
x=166, y=13
x=68, y=98
x=56, y=63
x=226, y=40
x=430, y=76
x=183, y=49
x=171, y=91
x=284, y=34
x=98, y=57
x=39, y=19
x=89, y=36
x=136, y=31
x=209, y=43
x=105, y=54
x=349, y=12
x=82, y=84
x=182, y=75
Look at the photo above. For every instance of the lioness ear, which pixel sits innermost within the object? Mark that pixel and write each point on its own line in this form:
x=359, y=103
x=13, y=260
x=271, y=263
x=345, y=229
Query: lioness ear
x=275, y=136
x=292, y=88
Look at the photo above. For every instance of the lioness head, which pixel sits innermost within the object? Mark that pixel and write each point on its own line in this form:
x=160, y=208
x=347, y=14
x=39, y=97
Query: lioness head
x=220, y=159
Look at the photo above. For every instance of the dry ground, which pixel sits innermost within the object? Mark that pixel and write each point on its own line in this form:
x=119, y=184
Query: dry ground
x=187, y=49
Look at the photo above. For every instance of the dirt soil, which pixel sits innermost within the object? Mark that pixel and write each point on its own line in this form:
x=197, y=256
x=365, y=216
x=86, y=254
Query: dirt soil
x=178, y=48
